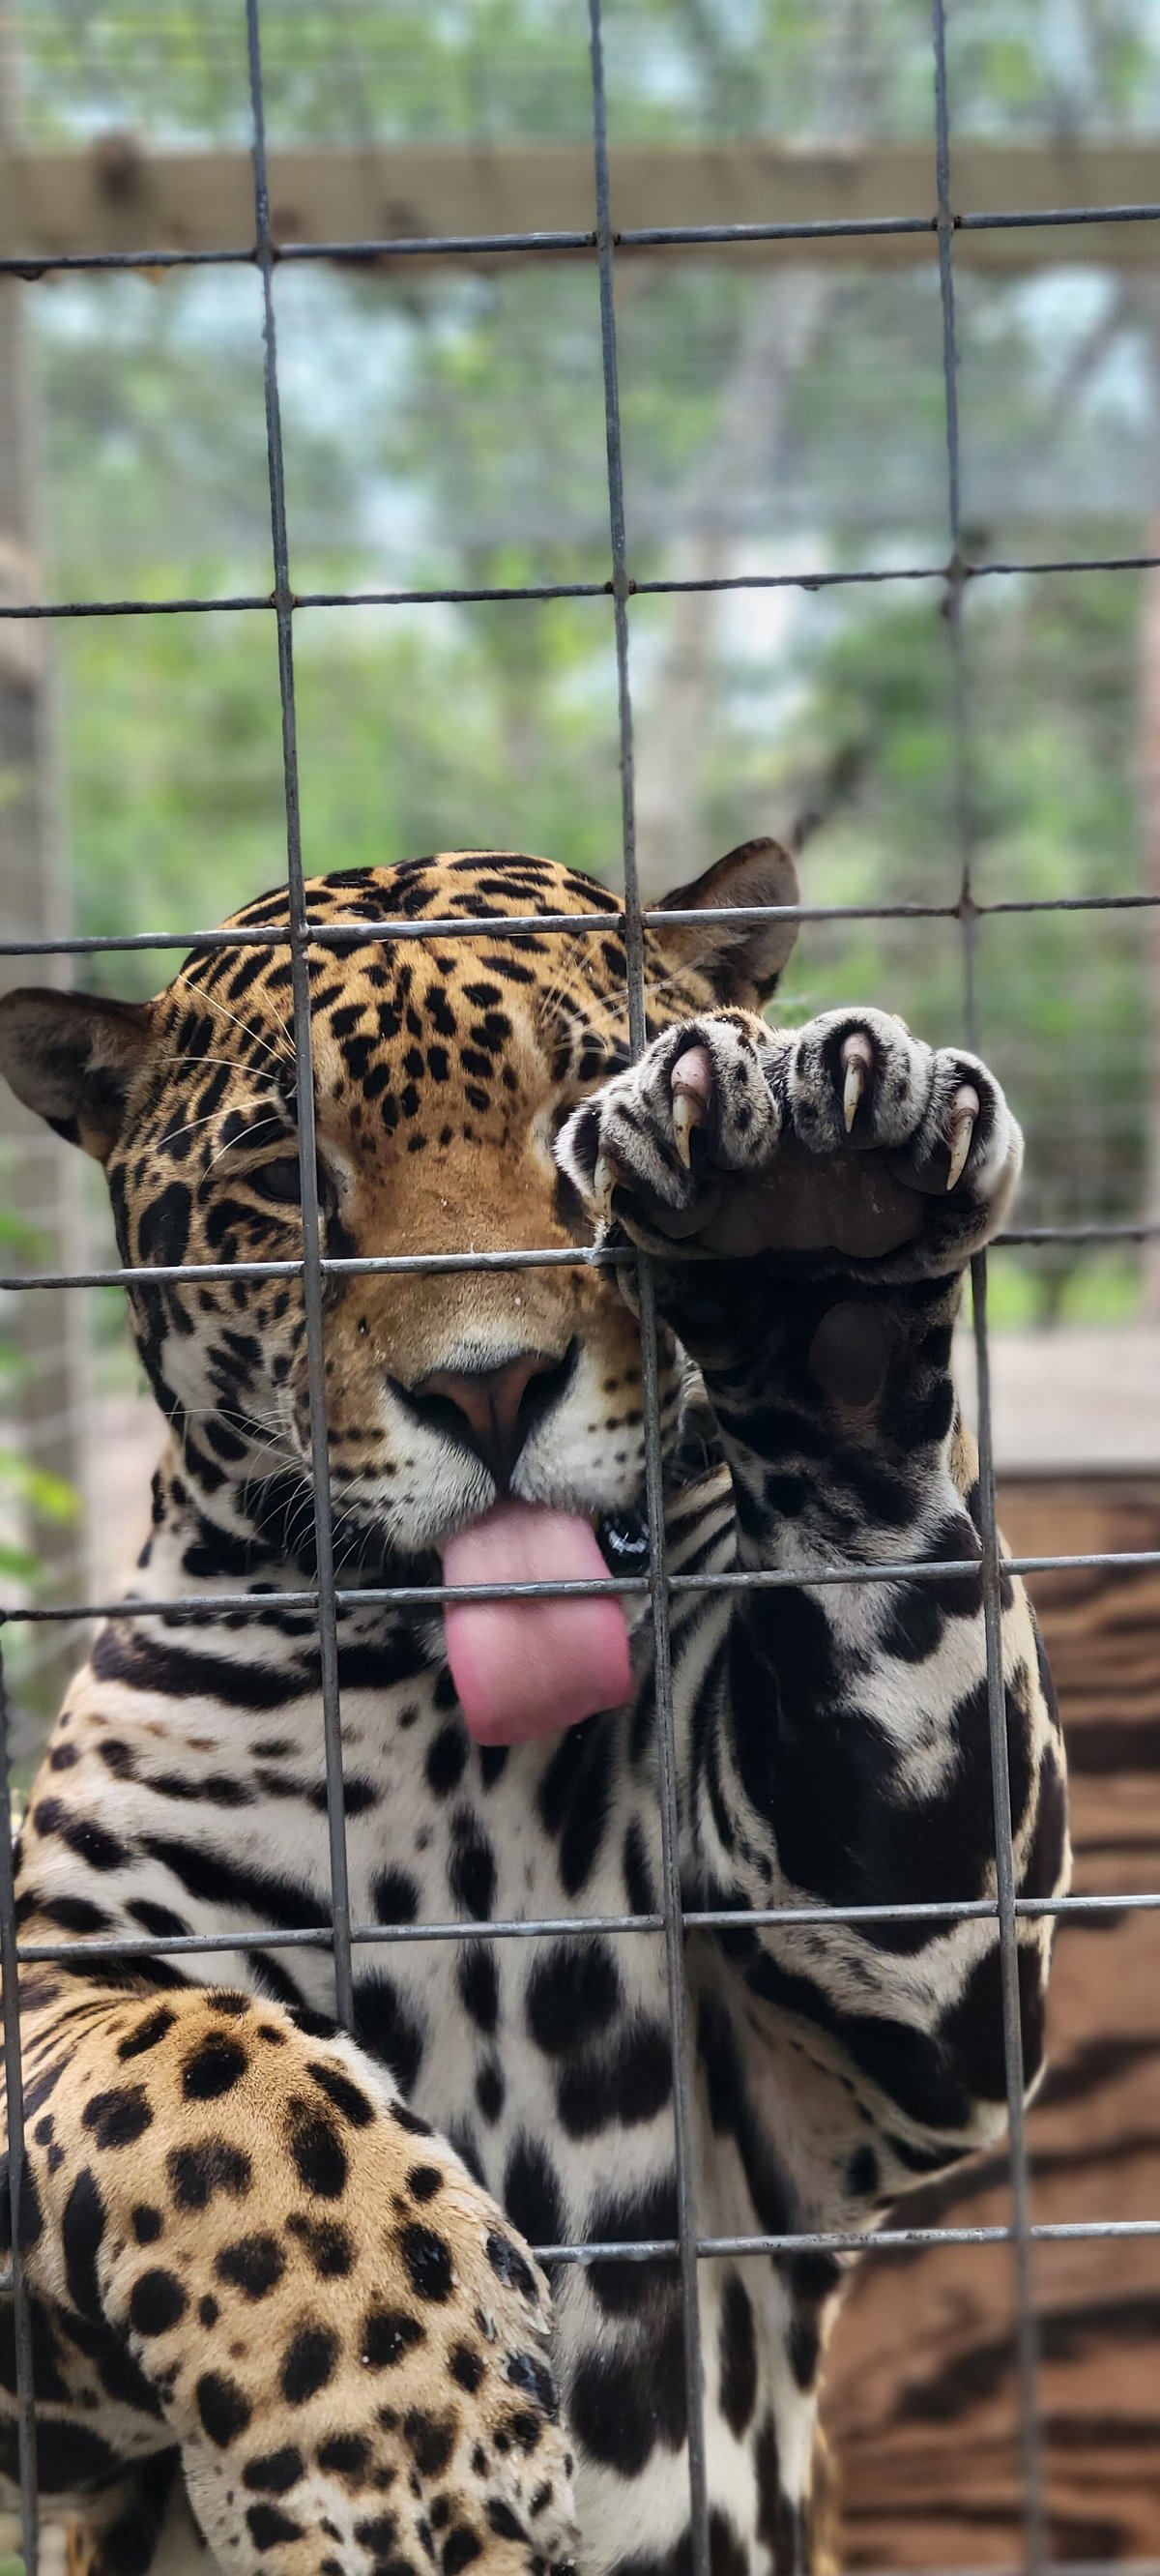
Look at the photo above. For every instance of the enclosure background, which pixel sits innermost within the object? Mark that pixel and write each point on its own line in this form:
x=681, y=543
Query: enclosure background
x=783, y=423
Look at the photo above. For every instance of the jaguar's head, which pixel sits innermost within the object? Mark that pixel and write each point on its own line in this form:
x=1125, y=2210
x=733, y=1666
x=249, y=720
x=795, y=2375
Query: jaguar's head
x=443, y=1069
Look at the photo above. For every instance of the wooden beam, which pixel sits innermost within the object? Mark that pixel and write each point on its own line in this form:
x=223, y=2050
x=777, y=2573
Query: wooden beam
x=119, y=197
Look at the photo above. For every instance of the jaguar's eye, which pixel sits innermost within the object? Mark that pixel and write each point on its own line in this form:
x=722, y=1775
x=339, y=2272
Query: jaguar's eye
x=279, y=1181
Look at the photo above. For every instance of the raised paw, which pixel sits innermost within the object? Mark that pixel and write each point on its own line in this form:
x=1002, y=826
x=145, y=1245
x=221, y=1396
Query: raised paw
x=658, y=1145
x=856, y=1080
x=848, y=1142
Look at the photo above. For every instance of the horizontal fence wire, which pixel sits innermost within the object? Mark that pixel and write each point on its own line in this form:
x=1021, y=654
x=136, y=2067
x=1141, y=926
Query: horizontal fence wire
x=521, y=1927
x=883, y=2241
x=29, y=267
x=454, y=596
x=191, y=1606
x=343, y=935
x=671, y=1922
x=861, y=577
x=385, y=1265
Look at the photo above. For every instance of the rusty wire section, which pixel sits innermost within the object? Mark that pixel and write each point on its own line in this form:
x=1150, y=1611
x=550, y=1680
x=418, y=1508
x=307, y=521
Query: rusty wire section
x=671, y=1921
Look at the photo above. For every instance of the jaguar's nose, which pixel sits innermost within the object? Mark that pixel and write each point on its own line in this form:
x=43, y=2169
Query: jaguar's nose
x=492, y=1411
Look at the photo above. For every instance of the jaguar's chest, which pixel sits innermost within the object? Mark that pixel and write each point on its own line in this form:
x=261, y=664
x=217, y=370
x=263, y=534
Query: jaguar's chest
x=215, y=1800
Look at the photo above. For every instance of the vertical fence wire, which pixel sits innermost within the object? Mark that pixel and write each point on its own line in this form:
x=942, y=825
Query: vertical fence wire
x=14, y=2112
x=684, y=2134
x=312, y=1290
x=1027, y=2351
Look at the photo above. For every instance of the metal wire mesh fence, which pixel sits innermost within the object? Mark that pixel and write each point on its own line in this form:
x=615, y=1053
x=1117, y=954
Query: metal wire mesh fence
x=671, y=1921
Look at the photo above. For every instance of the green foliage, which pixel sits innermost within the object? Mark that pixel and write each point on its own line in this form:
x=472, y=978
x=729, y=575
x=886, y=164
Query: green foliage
x=409, y=738
x=354, y=71
x=27, y=1489
x=20, y=1238
x=24, y=1483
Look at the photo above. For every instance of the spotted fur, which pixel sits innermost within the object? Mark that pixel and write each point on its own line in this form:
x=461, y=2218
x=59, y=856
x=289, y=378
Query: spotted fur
x=294, y=2265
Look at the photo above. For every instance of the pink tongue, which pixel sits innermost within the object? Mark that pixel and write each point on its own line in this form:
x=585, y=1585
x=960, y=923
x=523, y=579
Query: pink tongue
x=528, y=1668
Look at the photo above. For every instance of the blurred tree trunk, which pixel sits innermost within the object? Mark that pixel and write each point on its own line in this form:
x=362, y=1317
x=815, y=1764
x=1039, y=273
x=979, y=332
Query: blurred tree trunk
x=781, y=331
x=783, y=326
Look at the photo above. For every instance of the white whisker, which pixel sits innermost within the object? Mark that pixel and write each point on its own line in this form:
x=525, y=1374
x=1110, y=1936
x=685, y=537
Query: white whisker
x=252, y=1035
x=254, y=1102
x=233, y=1141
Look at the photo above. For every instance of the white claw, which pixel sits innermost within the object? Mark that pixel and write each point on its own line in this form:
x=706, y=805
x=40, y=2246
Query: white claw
x=857, y=1060
x=964, y=1111
x=687, y=1114
x=691, y=1088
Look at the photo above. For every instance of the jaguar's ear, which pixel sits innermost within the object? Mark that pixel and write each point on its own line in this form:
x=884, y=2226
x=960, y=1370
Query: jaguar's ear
x=743, y=958
x=72, y=1057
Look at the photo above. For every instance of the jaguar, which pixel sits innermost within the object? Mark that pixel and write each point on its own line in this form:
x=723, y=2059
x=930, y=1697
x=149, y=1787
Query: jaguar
x=306, y=2297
